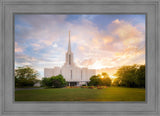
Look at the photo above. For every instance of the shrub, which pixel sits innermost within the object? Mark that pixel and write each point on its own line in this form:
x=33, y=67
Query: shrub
x=91, y=87
x=54, y=81
x=84, y=86
x=101, y=87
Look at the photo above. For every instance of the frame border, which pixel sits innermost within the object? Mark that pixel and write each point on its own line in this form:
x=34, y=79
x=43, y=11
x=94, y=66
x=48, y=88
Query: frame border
x=5, y=3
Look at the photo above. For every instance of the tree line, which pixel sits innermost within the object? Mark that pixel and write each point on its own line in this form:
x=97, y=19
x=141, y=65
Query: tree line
x=130, y=76
x=127, y=76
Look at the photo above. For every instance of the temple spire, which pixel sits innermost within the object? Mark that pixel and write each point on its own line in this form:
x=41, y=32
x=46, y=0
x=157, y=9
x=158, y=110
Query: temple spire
x=69, y=43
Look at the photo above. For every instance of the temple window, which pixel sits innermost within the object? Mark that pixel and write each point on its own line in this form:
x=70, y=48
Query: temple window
x=69, y=59
x=71, y=74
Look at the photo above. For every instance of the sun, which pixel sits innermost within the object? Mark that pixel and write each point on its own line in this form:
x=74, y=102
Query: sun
x=113, y=77
x=102, y=76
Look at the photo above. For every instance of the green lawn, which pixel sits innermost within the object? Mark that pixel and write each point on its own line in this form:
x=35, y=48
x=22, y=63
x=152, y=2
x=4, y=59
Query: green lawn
x=81, y=94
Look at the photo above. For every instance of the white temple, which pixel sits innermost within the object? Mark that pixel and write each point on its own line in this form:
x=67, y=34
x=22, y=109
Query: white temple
x=74, y=75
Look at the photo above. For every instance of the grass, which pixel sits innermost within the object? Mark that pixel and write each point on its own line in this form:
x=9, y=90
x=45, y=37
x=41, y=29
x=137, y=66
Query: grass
x=81, y=94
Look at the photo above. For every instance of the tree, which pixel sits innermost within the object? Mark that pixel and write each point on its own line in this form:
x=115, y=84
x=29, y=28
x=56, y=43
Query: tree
x=105, y=75
x=140, y=78
x=105, y=79
x=46, y=82
x=131, y=76
x=116, y=82
x=94, y=81
x=54, y=81
x=25, y=76
x=101, y=80
x=58, y=81
x=127, y=75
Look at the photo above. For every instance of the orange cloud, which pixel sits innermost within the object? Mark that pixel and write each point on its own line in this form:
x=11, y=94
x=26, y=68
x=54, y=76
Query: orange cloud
x=116, y=21
x=81, y=48
x=18, y=48
x=107, y=39
x=118, y=45
x=127, y=33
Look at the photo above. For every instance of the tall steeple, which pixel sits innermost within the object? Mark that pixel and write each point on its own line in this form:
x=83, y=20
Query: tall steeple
x=69, y=54
x=69, y=44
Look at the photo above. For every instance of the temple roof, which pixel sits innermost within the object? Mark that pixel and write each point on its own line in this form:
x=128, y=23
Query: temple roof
x=69, y=43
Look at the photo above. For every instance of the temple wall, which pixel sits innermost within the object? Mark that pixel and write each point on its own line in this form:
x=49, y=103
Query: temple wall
x=78, y=74
x=57, y=71
x=48, y=72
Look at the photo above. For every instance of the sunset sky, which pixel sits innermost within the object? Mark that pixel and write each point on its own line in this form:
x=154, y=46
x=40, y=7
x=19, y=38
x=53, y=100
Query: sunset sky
x=97, y=41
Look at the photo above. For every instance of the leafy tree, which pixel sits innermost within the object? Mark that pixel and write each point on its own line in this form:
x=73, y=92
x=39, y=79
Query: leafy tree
x=25, y=76
x=127, y=75
x=94, y=81
x=101, y=80
x=116, y=82
x=105, y=79
x=105, y=75
x=54, y=81
x=58, y=81
x=140, y=78
x=131, y=76
x=46, y=82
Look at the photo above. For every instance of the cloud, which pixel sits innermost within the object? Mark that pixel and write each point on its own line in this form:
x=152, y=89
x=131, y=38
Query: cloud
x=122, y=44
x=18, y=48
x=24, y=58
x=116, y=21
x=126, y=32
x=45, y=41
x=55, y=45
x=86, y=62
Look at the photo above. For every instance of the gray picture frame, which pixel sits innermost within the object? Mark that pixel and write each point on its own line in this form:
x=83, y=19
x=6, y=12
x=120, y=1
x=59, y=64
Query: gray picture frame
x=8, y=106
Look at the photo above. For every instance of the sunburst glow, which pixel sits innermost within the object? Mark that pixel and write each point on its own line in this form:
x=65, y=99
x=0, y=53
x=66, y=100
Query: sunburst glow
x=113, y=77
x=96, y=65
